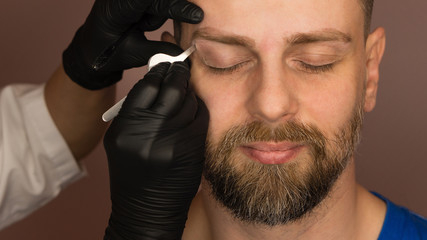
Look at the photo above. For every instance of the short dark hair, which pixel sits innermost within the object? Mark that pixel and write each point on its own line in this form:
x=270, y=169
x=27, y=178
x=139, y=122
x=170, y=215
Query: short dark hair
x=367, y=8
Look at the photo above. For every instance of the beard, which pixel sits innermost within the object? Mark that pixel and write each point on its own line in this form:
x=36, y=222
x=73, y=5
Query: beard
x=277, y=194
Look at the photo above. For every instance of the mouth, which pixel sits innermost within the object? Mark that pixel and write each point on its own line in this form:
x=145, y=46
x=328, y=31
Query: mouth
x=271, y=152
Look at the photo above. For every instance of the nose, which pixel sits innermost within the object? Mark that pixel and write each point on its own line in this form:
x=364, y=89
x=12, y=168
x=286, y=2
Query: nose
x=273, y=95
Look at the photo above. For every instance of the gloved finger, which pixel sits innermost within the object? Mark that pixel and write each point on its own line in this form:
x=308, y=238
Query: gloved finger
x=185, y=11
x=135, y=51
x=195, y=137
x=187, y=113
x=151, y=22
x=173, y=90
x=180, y=10
x=201, y=120
x=119, y=15
x=145, y=91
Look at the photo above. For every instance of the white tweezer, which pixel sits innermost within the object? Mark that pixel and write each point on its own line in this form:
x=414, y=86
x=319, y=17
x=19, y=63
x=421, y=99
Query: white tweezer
x=153, y=61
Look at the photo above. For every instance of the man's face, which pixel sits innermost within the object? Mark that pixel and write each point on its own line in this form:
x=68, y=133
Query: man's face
x=284, y=82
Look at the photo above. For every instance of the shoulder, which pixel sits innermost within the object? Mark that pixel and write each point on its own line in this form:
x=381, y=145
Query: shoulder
x=401, y=223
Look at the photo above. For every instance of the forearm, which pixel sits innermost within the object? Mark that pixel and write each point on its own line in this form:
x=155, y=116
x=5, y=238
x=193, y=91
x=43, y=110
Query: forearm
x=77, y=111
x=35, y=163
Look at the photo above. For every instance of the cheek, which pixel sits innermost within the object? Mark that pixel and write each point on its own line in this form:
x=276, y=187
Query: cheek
x=332, y=104
x=223, y=100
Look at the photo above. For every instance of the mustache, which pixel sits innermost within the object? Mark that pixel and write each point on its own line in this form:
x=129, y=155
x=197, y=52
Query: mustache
x=257, y=131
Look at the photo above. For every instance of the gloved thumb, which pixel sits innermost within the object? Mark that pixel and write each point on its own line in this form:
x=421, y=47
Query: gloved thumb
x=135, y=51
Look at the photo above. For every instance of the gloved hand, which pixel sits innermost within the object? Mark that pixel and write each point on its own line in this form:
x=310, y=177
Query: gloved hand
x=155, y=149
x=112, y=38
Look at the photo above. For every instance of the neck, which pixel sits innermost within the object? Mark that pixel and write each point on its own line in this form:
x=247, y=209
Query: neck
x=348, y=212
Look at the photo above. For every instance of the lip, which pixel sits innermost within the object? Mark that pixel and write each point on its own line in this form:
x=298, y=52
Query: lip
x=271, y=152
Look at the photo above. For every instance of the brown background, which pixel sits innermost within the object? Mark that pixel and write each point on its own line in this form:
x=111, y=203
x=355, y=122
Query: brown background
x=392, y=158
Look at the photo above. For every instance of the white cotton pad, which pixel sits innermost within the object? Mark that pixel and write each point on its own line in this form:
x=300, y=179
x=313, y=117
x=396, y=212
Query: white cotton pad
x=153, y=61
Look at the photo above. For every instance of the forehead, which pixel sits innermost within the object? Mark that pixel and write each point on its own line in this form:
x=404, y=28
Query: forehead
x=270, y=20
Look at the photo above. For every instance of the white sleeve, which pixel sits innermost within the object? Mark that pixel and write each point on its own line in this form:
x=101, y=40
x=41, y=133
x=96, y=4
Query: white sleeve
x=35, y=161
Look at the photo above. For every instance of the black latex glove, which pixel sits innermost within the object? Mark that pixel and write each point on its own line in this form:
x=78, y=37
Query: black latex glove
x=155, y=148
x=112, y=38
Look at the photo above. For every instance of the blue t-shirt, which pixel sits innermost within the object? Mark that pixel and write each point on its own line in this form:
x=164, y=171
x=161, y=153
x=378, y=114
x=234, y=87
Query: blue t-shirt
x=402, y=224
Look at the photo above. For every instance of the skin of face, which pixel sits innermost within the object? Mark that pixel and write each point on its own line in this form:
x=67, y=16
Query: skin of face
x=280, y=60
x=272, y=83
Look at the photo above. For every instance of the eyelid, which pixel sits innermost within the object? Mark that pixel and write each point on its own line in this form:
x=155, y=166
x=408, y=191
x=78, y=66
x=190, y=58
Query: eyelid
x=228, y=65
x=315, y=69
x=220, y=55
x=313, y=60
x=227, y=69
x=317, y=57
x=328, y=48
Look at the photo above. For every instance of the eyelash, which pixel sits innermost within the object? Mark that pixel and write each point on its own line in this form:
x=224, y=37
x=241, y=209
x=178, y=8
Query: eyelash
x=225, y=70
x=316, y=69
x=306, y=67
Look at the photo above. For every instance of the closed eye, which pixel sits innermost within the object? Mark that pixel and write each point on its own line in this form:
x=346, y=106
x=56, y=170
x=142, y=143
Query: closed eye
x=309, y=68
x=230, y=69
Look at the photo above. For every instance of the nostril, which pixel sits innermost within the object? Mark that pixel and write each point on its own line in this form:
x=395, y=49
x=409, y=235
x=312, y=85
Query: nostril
x=272, y=105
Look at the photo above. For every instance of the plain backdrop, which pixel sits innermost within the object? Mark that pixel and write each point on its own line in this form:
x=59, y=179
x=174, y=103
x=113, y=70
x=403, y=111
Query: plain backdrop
x=391, y=159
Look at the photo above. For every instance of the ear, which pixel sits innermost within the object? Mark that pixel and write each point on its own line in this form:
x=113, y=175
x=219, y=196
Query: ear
x=375, y=45
x=167, y=37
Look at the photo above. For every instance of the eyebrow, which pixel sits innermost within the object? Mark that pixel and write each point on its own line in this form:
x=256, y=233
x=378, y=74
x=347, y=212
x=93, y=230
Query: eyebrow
x=327, y=35
x=217, y=36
